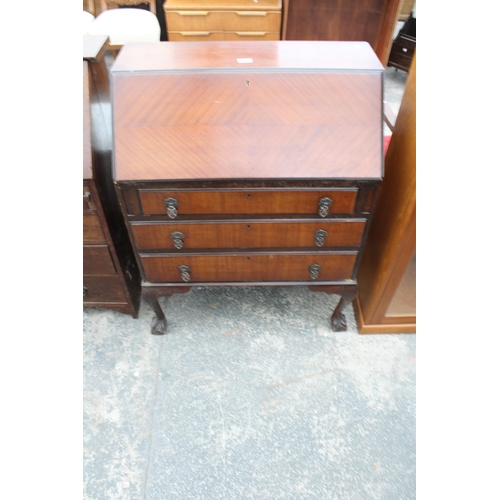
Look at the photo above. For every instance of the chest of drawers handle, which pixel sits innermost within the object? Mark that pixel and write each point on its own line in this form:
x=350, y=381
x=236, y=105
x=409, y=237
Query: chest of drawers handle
x=252, y=14
x=314, y=271
x=85, y=291
x=192, y=13
x=178, y=238
x=319, y=237
x=185, y=273
x=324, y=205
x=171, y=205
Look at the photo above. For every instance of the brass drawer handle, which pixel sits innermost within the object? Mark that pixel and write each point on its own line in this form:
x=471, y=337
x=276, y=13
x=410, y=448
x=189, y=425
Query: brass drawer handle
x=314, y=271
x=171, y=204
x=319, y=237
x=185, y=273
x=178, y=238
x=324, y=206
x=85, y=291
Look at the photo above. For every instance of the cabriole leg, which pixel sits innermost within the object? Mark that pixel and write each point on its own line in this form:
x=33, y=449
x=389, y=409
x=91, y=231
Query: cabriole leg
x=339, y=323
x=347, y=294
x=159, y=326
x=150, y=294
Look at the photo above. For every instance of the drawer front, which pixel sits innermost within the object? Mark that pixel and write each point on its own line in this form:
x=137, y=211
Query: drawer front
x=248, y=36
x=97, y=260
x=195, y=36
x=92, y=229
x=205, y=20
x=249, y=267
x=246, y=202
x=89, y=206
x=102, y=289
x=251, y=234
x=401, y=58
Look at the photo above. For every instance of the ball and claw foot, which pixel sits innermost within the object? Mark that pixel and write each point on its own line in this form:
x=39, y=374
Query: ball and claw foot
x=339, y=323
x=159, y=326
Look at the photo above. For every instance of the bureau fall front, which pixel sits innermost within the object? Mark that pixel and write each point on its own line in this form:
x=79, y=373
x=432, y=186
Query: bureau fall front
x=247, y=163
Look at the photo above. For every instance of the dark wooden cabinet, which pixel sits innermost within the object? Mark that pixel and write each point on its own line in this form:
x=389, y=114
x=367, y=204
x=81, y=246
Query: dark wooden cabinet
x=248, y=164
x=404, y=45
x=372, y=21
x=111, y=277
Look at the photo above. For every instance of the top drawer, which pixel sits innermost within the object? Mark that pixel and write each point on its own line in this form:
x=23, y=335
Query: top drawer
x=248, y=202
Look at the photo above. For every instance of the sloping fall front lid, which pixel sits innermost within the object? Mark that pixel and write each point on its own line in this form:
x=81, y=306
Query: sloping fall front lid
x=247, y=110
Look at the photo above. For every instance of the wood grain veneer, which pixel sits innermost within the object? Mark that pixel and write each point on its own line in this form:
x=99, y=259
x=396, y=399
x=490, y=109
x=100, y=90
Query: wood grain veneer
x=274, y=56
x=92, y=229
x=250, y=234
x=372, y=21
x=249, y=267
x=282, y=123
x=249, y=201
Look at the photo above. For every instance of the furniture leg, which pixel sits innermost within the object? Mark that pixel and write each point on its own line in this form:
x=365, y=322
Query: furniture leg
x=150, y=294
x=338, y=321
x=347, y=294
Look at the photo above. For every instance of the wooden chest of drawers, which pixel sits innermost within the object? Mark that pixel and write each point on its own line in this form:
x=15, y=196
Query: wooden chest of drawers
x=404, y=46
x=111, y=276
x=261, y=172
x=219, y=20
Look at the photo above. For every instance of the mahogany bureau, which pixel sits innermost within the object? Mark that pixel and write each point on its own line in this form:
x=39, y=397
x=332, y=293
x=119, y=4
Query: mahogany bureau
x=111, y=277
x=241, y=163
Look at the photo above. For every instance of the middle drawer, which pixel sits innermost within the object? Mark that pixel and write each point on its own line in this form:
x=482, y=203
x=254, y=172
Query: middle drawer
x=249, y=20
x=249, y=234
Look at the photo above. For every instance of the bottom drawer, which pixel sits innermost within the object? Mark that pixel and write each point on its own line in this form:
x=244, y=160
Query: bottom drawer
x=247, y=36
x=249, y=267
x=97, y=260
x=102, y=289
x=218, y=36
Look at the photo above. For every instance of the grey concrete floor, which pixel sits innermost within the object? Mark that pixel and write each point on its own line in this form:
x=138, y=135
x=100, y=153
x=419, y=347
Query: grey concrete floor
x=249, y=395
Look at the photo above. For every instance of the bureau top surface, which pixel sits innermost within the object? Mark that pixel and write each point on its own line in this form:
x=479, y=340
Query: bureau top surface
x=256, y=5
x=247, y=110
x=235, y=56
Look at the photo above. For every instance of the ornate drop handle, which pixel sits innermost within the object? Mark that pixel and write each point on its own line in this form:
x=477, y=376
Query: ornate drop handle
x=314, y=271
x=171, y=204
x=178, y=238
x=324, y=205
x=185, y=273
x=319, y=237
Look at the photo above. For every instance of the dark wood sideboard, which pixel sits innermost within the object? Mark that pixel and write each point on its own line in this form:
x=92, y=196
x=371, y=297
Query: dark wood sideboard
x=240, y=163
x=111, y=276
